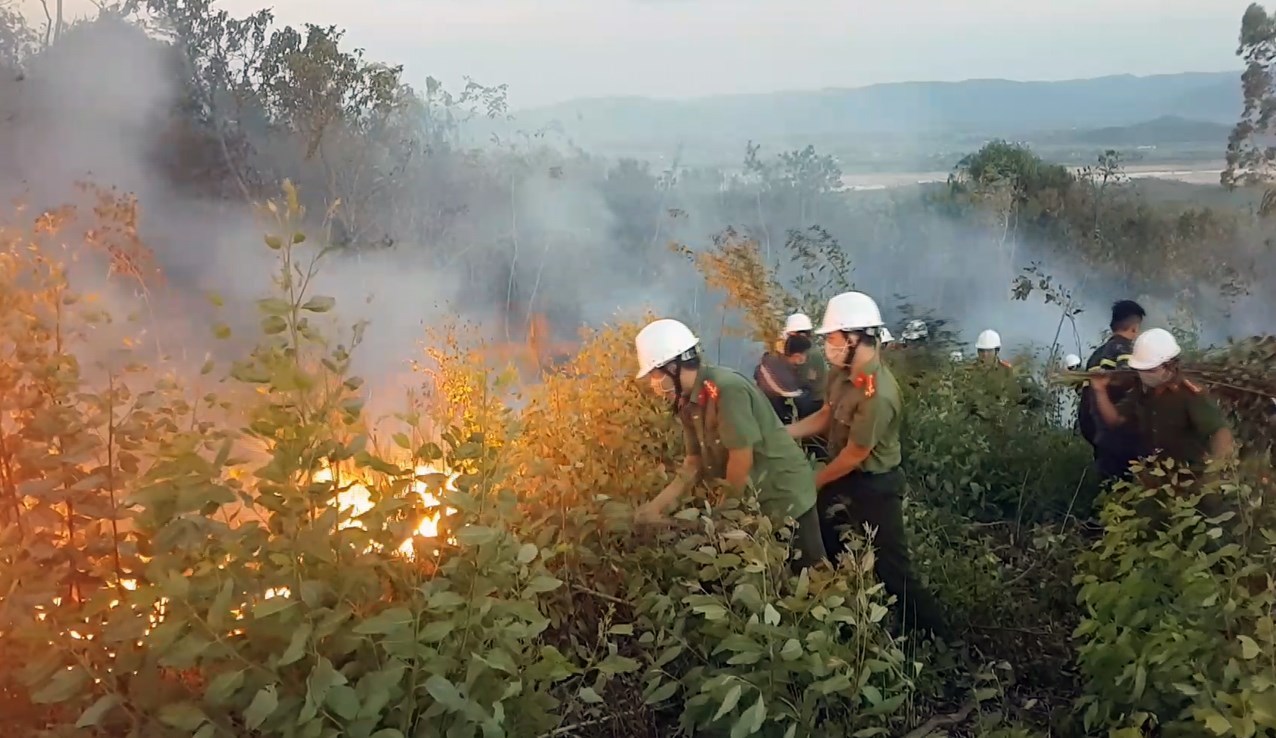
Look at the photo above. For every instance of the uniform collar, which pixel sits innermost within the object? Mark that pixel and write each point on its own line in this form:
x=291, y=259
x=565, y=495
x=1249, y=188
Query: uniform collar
x=704, y=387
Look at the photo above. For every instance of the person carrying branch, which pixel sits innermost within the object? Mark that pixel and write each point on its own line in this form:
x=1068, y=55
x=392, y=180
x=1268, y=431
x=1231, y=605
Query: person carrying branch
x=1114, y=447
x=862, y=483
x=780, y=376
x=731, y=433
x=1168, y=415
x=814, y=373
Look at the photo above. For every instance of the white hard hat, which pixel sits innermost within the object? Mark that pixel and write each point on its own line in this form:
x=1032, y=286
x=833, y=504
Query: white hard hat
x=850, y=311
x=661, y=342
x=955, y=355
x=797, y=323
x=988, y=340
x=1153, y=348
x=1072, y=361
x=885, y=335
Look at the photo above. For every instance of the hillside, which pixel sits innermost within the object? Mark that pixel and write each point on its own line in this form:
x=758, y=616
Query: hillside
x=904, y=111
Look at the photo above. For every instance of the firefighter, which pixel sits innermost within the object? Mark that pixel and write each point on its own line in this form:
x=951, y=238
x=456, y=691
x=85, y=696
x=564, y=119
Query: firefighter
x=730, y=432
x=1114, y=446
x=1169, y=415
x=862, y=483
x=886, y=338
x=988, y=349
x=1072, y=362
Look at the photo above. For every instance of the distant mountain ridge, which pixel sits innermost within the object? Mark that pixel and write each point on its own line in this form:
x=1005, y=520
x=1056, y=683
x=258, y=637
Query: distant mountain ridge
x=981, y=106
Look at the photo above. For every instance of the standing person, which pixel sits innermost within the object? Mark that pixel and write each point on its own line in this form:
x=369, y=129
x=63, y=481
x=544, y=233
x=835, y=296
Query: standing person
x=730, y=432
x=1114, y=446
x=862, y=483
x=1170, y=416
x=988, y=349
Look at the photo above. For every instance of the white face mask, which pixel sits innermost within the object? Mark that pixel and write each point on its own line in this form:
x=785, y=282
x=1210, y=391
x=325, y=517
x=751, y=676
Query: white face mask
x=1154, y=378
x=662, y=384
x=837, y=355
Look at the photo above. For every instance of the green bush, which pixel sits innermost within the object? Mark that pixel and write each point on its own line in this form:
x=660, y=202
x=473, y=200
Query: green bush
x=1178, y=607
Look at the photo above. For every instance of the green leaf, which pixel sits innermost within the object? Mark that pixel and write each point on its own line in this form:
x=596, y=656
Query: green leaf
x=273, y=325
x=272, y=606
x=320, y=304
x=792, y=649
x=262, y=707
x=183, y=716
x=1249, y=649
x=401, y=440
x=542, y=583
x=386, y=621
x=770, y=615
x=445, y=693
x=589, y=696
x=527, y=552
x=65, y=684
x=97, y=711
x=221, y=331
x=617, y=664
x=344, y=701
x=729, y=702
x=223, y=687
x=662, y=693
x=436, y=631
x=274, y=306
x=297, y=645
x=274, y=242
x=476, y=535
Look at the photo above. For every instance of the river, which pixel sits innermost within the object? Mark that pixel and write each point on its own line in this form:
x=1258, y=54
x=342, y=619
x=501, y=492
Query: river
x=1194, y=173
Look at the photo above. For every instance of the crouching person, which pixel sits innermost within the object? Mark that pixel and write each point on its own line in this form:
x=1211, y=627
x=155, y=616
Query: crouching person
x=731, y=433
x=862, y=483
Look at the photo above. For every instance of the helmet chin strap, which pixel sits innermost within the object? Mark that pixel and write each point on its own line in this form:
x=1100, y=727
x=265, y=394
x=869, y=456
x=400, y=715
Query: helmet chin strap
x=673, y=370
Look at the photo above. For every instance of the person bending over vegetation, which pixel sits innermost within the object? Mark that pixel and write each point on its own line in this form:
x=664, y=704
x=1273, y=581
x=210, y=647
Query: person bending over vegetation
x=1115, y=446
x=1168, y=415
x=780, y=377
x=731, y=433
x=862, y=483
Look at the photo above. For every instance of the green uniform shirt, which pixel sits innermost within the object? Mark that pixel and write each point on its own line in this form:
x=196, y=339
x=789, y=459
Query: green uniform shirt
x=1177, y=421
x=739, y=417
x=868, y=421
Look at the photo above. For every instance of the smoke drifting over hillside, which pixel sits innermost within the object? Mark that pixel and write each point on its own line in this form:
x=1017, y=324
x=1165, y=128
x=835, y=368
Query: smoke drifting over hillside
x=555, y=234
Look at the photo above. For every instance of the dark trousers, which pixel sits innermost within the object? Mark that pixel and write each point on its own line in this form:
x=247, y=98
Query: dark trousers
x=808, y=540
x=858, y=499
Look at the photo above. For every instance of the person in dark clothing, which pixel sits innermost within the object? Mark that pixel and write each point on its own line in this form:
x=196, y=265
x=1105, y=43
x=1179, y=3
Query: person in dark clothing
x=1114, y=447
x=781, y=377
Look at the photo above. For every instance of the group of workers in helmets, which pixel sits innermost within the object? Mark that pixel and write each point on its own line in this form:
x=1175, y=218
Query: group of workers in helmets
x=734, y=432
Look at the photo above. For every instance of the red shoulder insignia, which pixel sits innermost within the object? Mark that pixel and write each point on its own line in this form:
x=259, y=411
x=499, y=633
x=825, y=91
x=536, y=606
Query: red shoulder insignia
x=708, y=391
x=866, y=382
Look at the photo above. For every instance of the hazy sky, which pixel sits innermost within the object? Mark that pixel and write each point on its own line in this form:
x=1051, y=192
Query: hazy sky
x=552, y=50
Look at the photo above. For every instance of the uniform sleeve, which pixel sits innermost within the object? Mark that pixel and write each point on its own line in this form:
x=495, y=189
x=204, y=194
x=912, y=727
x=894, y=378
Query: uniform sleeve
x=1206, y=416
x=737, y=426
x=871, y=422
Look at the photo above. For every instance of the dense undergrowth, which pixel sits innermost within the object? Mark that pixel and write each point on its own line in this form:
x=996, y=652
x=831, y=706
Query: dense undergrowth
x=175, y=563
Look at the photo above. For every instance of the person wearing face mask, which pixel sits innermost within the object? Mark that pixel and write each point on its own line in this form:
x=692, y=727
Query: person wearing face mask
x=1171, y=416
x=731, y=432
x=862, y=483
